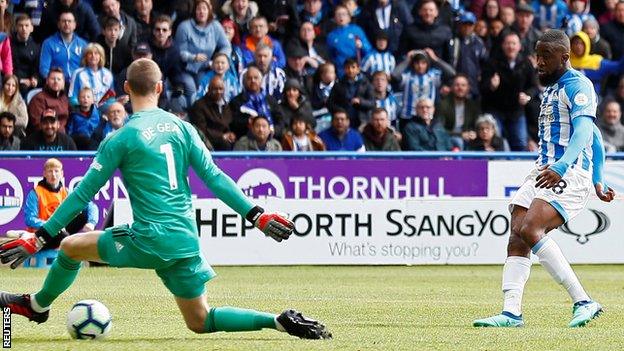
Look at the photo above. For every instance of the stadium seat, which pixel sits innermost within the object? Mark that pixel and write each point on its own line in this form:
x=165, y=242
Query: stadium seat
x=42, y=259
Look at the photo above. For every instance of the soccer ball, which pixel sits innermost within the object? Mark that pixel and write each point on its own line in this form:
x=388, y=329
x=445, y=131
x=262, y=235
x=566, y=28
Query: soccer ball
x=89, y=319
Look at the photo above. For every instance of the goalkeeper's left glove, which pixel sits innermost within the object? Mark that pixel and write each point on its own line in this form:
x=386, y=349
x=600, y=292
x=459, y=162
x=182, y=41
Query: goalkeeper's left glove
x=18, y=250
x=274, y=225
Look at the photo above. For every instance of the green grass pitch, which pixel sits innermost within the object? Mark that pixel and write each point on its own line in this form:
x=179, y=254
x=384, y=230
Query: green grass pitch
x=367, y=308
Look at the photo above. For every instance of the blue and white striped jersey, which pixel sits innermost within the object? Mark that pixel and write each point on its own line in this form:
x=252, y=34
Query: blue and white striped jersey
x=572, y=96
x=231, y=83
x=391, y=105
x=417, y=86
x=272, y=83
x=378, y=61
x=100, y=82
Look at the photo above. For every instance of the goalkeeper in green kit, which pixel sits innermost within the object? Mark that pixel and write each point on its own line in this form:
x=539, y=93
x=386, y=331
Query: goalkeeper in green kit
x=153, y=151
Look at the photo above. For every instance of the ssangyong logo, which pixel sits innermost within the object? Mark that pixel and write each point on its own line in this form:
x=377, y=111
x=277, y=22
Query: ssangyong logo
x=11, y=196
x=602, y=224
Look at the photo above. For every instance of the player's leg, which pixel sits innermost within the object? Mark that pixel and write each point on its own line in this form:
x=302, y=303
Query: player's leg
x=202, y=319
x=515, y=275
x=73, y=249
x=186, y=280
x=541, y=218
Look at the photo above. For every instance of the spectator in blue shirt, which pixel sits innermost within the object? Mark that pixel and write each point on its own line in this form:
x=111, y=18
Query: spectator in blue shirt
x=347, y=40
x=63, y=49
x=340, y=137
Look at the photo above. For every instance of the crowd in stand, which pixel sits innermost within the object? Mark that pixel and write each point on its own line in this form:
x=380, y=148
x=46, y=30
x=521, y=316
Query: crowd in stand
x=303, y=75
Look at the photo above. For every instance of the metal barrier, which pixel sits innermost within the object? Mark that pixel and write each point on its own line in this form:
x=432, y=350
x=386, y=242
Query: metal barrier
x=323, y=154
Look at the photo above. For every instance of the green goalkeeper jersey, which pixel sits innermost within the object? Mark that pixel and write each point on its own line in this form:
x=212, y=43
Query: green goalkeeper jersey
x=153, y=152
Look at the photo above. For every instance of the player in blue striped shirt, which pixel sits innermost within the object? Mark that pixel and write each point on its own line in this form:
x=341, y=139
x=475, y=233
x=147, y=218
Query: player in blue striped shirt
x=569, y=166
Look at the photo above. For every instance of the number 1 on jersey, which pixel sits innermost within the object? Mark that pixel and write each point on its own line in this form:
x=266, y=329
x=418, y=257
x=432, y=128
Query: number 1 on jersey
x=171, y=172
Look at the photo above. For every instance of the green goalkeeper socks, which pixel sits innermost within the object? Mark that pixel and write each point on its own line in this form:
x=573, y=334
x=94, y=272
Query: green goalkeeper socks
x=60, y=277
x=232, y=319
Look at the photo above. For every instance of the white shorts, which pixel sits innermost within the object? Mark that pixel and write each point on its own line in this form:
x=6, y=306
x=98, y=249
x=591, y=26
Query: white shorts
x=568, y=197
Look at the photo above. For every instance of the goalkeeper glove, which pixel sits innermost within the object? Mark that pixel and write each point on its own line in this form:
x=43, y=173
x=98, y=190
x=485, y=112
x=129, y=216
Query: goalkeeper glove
x=28, y=244
x=274, y=225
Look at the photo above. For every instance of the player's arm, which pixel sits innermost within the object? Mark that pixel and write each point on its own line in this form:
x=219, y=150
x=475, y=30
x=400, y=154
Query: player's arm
x=106, y=161
x=602, y=190
x=224, y=188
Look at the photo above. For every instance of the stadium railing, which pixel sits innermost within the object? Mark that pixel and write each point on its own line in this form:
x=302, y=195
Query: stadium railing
x=323, y=154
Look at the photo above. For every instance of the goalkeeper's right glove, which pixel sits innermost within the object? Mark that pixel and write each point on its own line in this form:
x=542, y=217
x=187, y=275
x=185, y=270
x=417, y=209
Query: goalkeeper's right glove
x=28, y=244
x=274, y=225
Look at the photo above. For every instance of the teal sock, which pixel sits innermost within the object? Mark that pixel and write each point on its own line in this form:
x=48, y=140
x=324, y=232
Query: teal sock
x=60, y=277
x=232, y=319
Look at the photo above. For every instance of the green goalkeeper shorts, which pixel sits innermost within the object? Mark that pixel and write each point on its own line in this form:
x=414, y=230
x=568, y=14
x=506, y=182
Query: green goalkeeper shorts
x=184, y=277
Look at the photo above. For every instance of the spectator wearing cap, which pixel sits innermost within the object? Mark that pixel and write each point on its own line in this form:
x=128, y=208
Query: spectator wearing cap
x=49, y=137
x=51, y=96
x=379, y=59
x=469, y=50
x=579, y=13
x=141, y=50
x=508, y=83
x=599, y=45
x=117, y=55
x=253, y=101
x=525, y=29
x=92, y=74
x=418, y=79
x=212, y=116
x=8, y=140
x=377, y=134
x=198, y=39
x=389, y=16
x=87, y=25
x=295, y=103
x=549, y=13
x=259, y=138
x=347, y=41
x=25, y=53
x=128, y=31
x=259, y=36
x=340, y=136
x=427, y=32
x=63, y=49
x=296, y=61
